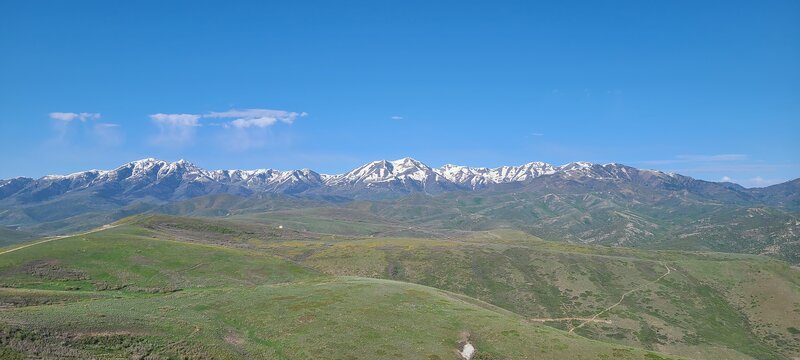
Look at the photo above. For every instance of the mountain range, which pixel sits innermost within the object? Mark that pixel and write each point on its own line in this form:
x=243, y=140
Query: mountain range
x=169, y=181
x=609, y=204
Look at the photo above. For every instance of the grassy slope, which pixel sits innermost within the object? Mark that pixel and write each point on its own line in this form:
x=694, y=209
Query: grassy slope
x=129, y=256
x=114, y=293
x=9, y=236
x=688, y=312
x=682, y=314
x=657, y=220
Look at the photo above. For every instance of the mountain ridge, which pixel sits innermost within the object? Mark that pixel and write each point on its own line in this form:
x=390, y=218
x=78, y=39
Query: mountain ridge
x=611, y=204
x=169, y=181
x=403, y=174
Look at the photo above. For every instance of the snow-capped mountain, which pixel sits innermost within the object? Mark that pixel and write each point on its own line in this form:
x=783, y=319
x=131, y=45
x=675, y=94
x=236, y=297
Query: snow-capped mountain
x=405, y=174
x=166, y=181
x=476, y=178
x=68, y=203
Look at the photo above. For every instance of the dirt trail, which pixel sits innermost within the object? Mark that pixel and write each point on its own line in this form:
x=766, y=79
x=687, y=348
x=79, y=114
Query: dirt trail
x=495, y=235
x=54, y=238
x=604, y=321
x=594, y=318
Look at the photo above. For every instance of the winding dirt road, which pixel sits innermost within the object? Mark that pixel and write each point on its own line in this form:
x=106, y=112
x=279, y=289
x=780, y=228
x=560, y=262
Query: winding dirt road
x=604, y=321
x=594, y=318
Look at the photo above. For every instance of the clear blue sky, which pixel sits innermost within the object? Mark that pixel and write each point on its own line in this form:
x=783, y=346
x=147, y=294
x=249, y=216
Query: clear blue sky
x=708, y=89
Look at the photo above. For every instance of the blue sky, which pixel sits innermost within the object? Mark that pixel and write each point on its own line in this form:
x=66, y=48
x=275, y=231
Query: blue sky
x=707, y=89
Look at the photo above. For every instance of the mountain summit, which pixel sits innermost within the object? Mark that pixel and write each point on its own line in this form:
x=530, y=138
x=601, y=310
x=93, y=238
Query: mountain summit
x=610, y=204
x=181, y=179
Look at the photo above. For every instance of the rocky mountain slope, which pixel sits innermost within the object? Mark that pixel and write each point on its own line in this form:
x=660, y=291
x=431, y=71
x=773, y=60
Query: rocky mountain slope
x=167, y=181
x=610, y=204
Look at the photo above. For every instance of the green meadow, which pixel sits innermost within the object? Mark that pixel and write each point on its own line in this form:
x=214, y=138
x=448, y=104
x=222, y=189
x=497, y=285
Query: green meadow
x=156, y=287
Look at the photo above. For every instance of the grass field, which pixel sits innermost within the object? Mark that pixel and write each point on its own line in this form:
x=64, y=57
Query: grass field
x=683, y=310
x=163, y=286
x=132, y=292
x=689, y=312
x=10, y=236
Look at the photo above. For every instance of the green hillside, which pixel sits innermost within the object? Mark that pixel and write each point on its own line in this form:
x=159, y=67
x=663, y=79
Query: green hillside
x=132, y=292
x=11, y=236
x=710, y=305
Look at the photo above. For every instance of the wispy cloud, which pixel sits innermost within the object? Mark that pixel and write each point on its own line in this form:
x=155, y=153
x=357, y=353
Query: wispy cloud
x=73, y=128
x=179, y=129
x=106, y=125
x=176, y=119
x=69, y=116
x=261, y=122
x=107, y=134
x=175, y=129
x=397, y=117
x=257, y=117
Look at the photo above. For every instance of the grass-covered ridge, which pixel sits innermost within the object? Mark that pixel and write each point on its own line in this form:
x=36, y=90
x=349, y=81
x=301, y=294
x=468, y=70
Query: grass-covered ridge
x=131, y=291
x=688, y=312
x=136, y=258
x=331, y=318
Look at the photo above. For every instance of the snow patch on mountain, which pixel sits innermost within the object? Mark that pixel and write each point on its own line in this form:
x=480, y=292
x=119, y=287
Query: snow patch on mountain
x=407, y=175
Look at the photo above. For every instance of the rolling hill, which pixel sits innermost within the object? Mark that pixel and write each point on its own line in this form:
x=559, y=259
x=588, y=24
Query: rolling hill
x=130, y=291
x=396, y=259
x=711, y=305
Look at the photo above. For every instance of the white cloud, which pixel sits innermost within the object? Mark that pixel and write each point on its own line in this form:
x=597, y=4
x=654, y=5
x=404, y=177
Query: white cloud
x=726, y=179
x=176, y=119
x=106, y=125
x=175, y=129
x=178, y=129
x=83, y=128
x=261, y=122
x=69, y=116
x=396, y=117
x=257, y=117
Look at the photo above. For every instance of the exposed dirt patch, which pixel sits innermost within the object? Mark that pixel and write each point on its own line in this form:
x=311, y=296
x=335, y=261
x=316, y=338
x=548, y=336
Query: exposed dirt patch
x=234, y=338
x=142, y=260
x=52, y=270
x=105, y=333
x=306, y=318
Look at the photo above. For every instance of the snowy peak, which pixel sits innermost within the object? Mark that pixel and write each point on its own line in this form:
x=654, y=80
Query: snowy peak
x=181, y=179
x=402, y=170
x=375, y=171
x=481, y=177
x=413, y=169
x=405, y=170
x=151, y=169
